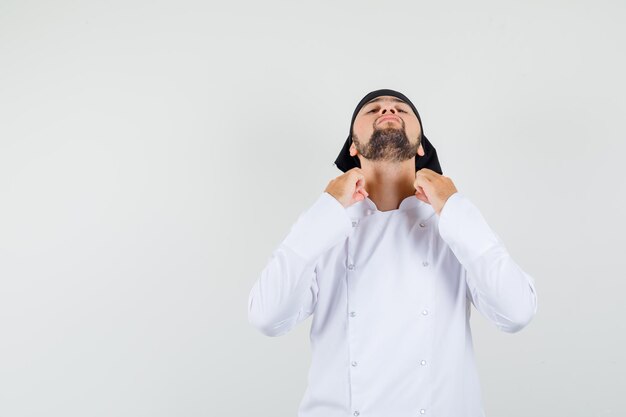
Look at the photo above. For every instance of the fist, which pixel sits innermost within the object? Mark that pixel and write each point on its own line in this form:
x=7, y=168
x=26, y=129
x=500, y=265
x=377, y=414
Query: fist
x=433, y=188
x=349, y=187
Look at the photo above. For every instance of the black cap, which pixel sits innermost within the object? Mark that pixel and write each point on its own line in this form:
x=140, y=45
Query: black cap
x=346, y=162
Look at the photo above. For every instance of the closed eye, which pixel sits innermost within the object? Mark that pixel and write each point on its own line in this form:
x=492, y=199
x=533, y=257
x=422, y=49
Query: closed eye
x=373, y=110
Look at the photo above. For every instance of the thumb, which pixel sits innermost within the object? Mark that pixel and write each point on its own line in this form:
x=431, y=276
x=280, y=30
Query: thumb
x=421, y=196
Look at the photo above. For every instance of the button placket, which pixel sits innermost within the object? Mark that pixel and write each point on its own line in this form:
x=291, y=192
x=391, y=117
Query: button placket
x=352, y=326
x=427, y=315
x=425, y=261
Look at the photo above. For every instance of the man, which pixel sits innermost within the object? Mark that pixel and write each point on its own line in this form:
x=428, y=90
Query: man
x=388, y=260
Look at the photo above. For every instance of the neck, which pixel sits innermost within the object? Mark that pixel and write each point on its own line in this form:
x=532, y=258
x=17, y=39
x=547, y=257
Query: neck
x=388, y=183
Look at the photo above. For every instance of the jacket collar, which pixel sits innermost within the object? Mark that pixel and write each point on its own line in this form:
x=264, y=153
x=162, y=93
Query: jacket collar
x=368, y=207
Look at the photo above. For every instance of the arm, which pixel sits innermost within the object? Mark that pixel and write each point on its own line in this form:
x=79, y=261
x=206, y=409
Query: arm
x=496, y=284
x=285, y=293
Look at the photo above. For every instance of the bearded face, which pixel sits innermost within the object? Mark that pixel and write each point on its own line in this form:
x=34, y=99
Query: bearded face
x=386, y=129
x=387, y=144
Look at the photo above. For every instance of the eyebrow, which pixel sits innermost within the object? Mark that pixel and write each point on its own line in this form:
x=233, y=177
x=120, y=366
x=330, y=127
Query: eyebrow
x=380, y=98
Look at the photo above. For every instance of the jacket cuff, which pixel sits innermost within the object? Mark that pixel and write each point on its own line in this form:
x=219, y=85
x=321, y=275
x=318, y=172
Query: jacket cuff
x=464, y=229
x=319, y=228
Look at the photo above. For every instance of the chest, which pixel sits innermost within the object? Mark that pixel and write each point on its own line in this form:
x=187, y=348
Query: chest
x=391, y=262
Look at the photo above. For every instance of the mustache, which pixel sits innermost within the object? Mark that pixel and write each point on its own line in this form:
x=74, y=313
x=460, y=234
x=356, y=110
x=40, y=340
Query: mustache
x=375, y=125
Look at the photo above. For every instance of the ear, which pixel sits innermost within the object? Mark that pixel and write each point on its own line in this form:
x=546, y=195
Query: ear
x=353, y=150
x=420, y=150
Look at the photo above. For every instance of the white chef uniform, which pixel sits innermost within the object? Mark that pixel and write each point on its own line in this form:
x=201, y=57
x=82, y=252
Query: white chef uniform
x=390, y=295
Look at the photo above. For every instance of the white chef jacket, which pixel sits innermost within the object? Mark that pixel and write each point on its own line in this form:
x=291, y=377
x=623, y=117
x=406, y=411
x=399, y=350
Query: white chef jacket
x=390, y=294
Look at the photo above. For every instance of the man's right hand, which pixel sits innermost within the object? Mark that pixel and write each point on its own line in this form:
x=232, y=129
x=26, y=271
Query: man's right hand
x=348, y=188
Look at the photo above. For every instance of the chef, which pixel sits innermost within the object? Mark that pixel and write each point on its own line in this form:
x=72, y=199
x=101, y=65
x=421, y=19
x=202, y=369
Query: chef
x=388, y=261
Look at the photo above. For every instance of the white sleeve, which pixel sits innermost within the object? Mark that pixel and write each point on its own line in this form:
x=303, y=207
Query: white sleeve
x=285, y=293
x=496, y=284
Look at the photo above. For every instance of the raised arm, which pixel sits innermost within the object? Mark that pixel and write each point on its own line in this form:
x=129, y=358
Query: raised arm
x=285, y=293
x=496, y=284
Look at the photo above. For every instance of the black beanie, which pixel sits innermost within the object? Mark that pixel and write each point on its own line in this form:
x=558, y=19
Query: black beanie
x=346, y=162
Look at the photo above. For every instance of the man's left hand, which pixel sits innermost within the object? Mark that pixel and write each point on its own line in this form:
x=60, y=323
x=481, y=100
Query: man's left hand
x=433, y=188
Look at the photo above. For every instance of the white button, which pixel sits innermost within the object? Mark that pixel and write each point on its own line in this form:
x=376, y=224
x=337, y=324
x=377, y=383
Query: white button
x=425, y=263
x=351, y=266
x=352, y=314
x=422, y=225
x=423, y=363
x=422, y=411
x=425, y=312
x=356, y=413
x=354, y=363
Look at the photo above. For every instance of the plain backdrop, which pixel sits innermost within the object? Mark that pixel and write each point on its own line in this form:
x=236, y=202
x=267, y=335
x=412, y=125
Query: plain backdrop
x=154, y=153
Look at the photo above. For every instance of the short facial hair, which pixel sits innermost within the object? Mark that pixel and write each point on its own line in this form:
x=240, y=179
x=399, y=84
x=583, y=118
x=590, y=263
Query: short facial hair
x=388, y=144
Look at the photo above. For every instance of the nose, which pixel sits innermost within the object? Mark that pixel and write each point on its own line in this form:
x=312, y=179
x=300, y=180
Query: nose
x=387, y=108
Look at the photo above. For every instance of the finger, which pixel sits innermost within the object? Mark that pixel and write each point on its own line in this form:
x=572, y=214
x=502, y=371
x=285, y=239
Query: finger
x=427, y=173
x=424, y=189
x=427, y=190
x=360, y=185
x=423, y=174
x=420, y=190
x=424, y=199
x=422, y=181
x=360, y=194
x=422, y=196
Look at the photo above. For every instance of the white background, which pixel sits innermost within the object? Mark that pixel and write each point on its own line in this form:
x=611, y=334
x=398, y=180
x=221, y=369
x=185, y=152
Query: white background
x=153, y=153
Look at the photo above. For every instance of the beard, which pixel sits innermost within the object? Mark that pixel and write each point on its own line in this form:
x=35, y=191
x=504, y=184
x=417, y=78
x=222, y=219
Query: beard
x=389, y=144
